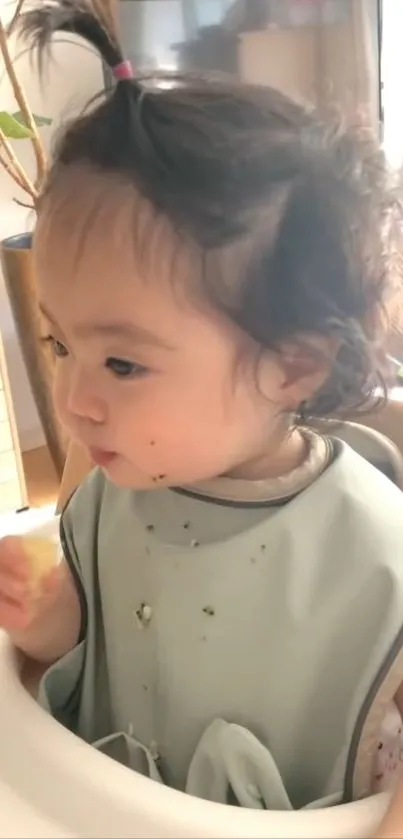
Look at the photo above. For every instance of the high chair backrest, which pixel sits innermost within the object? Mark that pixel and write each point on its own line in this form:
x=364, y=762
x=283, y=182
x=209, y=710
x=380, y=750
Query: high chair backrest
x=375, y=447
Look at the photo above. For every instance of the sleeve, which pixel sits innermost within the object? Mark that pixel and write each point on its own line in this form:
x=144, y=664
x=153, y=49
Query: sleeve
x=68, y=687
x=69, y=552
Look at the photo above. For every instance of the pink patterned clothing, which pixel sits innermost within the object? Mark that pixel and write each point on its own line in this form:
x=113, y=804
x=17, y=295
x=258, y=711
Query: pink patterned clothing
x=389, y=762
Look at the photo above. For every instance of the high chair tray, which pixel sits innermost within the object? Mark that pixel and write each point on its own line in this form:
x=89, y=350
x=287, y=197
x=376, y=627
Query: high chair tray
x=55, y=786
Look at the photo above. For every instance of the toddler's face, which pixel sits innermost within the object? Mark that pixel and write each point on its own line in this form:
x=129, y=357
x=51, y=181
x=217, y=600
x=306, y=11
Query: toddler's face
x=151, y=383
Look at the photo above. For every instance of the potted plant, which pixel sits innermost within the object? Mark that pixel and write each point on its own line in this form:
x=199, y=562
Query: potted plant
x=16, y=255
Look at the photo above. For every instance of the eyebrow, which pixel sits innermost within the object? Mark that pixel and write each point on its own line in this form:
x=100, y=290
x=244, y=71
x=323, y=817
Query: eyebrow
x=119, y=329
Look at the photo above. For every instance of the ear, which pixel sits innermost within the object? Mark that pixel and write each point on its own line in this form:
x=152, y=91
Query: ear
x=306, y=364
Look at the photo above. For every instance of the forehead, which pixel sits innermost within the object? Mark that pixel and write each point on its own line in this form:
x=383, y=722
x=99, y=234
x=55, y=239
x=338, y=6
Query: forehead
x=100, y=248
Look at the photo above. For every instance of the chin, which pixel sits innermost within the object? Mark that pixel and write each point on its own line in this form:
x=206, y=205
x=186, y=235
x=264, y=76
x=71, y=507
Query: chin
x=125, y=476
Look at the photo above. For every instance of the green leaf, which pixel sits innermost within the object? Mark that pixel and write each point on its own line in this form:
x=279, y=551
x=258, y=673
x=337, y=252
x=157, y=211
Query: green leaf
x=37, y=120
x=12, y=128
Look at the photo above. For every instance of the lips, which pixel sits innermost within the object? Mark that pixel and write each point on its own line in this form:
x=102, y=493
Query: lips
x=101, y=457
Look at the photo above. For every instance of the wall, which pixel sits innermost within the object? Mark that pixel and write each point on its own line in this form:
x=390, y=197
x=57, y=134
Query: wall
x=349, y=60
x=320, y=64
x=71, y=80
x=283, y=58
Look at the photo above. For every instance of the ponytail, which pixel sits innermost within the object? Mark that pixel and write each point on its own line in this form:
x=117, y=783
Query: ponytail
x=91, y=20
x=110, y=135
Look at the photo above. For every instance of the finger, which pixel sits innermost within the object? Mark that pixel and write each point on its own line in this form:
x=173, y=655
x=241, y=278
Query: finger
x=13, y=615
x=12, y=556
x=12, y=586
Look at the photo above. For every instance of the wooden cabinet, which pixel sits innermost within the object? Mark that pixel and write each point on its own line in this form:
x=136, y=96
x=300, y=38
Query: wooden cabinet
x=13, y=494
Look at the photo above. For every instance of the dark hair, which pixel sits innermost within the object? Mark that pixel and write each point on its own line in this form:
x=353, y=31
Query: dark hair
x=228, y=162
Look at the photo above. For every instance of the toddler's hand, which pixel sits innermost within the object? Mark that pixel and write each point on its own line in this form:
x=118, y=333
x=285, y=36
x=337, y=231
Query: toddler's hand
x=25, y=594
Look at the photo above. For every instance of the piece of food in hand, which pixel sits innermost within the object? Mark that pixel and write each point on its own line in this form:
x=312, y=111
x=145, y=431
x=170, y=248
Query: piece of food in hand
x=43, y=555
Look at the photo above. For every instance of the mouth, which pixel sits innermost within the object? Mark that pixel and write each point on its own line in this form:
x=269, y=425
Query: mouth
x=101, y=457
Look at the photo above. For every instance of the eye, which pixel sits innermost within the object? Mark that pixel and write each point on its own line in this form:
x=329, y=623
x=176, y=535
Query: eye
x=124, y=369
x=58, y=349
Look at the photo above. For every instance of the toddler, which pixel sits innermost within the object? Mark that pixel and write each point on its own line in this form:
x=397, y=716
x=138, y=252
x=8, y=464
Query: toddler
x=212, y=263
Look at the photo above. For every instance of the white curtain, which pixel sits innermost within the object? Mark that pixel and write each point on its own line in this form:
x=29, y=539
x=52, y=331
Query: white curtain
x=392, y=72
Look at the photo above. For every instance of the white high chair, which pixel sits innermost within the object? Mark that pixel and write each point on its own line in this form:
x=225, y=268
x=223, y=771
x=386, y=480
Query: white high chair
x=371, y=444
x=54, y=785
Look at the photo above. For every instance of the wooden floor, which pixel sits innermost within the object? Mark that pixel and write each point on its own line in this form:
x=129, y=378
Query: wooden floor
x=41, y=478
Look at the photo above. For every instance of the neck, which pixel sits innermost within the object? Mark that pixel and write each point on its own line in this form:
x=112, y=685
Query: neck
x=284, y=456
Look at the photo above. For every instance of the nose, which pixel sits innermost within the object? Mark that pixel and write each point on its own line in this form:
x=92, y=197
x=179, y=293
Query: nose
x=82, y=401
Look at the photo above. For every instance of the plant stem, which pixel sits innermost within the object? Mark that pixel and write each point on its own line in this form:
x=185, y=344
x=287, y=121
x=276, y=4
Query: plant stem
x=16, y=165
x=10, y=171
x=15, y=17
x=23, y=204
x=23, y=106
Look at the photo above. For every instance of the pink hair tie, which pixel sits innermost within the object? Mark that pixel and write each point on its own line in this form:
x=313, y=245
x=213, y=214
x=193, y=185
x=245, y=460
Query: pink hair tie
x=122, y=71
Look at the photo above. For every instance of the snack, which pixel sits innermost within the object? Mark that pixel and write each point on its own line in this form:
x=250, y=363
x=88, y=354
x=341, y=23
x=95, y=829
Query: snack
x=42, y=554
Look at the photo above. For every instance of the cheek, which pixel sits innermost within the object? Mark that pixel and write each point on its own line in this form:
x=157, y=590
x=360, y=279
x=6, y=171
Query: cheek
x=174, y=427
x=60, y=391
